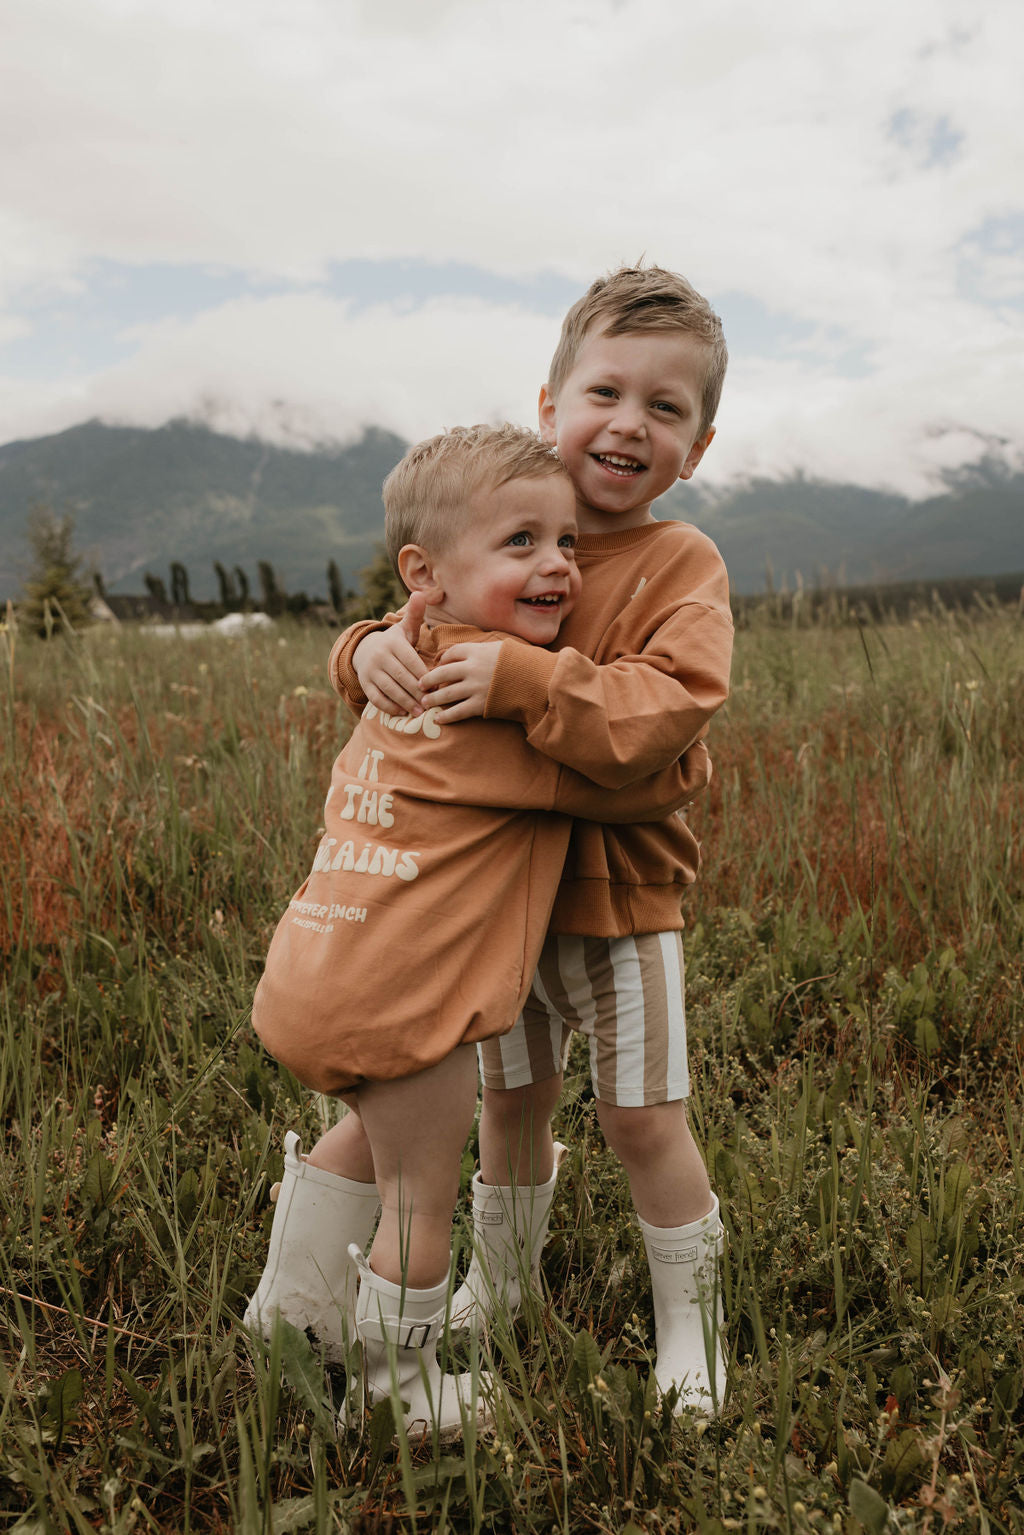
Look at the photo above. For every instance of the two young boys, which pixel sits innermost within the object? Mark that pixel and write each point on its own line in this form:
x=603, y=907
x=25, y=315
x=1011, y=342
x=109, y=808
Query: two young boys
x=623, y=699
x=419, y=926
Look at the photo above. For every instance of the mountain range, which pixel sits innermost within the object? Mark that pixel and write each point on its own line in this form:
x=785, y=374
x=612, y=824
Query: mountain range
x=144, y=497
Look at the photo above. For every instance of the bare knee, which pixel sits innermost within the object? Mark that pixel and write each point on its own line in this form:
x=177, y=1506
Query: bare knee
x=515, y=1133
x=645, y=1132
x=513, y=1107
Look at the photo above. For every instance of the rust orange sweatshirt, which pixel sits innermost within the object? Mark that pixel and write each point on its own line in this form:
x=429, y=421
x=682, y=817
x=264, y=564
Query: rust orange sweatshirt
x=624, y=697
x=421, y=921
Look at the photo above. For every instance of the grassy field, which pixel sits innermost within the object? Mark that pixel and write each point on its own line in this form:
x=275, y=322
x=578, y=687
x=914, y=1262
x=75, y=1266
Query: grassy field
x=856, y=1012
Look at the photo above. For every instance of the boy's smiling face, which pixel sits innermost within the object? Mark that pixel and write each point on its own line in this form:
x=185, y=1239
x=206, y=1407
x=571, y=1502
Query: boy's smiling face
x=625, y=423
x=512, y=567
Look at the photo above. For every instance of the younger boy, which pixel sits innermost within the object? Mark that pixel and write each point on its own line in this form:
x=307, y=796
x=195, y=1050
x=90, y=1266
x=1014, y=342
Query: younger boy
x=630, y=685
x=419, y=926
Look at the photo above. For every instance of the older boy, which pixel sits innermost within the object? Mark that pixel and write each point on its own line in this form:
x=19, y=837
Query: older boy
x=419, y=926
x=628, y=690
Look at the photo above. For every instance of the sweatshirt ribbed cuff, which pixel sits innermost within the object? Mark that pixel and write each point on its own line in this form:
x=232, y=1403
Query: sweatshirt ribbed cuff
x=339, y=664
x=521, y=685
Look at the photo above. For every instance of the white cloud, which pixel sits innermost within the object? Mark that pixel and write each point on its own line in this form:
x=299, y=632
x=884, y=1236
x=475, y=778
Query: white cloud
x=305, y=368
x=835, y=165
x=920, y=415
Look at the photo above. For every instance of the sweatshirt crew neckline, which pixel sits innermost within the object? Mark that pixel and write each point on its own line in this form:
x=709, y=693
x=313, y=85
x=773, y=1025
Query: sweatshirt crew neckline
x=618, y=541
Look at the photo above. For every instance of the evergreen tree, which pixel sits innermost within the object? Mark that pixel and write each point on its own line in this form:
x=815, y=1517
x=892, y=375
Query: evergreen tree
x=155, y=587
x=55, y=592
x=243, y=585
x=273, y=597
x=226, y=582
x=335, y=589
x=382, y=592
x=179, y=585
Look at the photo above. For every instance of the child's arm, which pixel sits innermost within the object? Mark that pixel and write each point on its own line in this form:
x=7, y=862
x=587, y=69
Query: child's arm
x=511, y=775
x=374, y=660
x=616, y=723
x=646, y=799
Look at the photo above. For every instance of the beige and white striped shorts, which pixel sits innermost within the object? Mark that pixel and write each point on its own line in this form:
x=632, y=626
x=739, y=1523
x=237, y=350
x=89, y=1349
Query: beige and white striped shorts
x=625, y=995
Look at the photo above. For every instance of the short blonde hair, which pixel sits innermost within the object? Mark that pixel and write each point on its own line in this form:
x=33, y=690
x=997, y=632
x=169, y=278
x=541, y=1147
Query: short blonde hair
x=427, y=493
x=644, y=299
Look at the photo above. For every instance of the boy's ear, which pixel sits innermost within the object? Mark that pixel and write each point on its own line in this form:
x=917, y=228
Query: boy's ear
x=416, y=569
x=546, y=417
x=695, y=454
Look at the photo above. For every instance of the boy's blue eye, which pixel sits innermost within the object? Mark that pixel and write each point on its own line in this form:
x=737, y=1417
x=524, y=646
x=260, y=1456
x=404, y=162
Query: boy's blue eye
x=520, y=540
x=567, y=541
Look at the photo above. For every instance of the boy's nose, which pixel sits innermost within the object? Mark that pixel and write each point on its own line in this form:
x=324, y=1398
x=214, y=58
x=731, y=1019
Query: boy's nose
x=558, y=561
x=628, y=421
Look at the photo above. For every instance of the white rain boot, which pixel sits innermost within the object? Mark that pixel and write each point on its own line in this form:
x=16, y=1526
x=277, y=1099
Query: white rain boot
x=510, y=1227
x=308, y=1278
x=399, y=1329
x=688, y=1310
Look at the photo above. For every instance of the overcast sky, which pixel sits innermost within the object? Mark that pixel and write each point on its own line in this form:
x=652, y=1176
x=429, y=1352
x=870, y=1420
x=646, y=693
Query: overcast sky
x=303, y=216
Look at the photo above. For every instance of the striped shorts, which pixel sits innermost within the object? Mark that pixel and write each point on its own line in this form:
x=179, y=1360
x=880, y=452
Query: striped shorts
x=625, y=995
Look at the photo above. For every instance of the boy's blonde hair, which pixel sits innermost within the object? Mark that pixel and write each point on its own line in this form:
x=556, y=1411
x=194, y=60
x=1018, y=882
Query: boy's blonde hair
x=427, y=493
x=640, y=299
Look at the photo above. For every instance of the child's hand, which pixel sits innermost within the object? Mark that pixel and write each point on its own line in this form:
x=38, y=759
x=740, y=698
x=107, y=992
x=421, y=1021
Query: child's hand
x=460, y=683
x=388, y=668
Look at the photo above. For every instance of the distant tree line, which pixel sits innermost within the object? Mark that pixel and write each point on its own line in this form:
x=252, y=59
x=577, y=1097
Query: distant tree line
x=58, y=595
x=380, y=591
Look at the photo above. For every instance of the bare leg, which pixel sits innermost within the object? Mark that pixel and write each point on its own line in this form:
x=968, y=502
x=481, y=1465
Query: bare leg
x=345, y=1150
x=417, y=1127
x=667, y=1177
x=516, y=1144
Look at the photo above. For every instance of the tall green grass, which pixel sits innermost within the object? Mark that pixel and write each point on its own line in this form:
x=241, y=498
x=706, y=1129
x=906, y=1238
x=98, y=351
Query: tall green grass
x=855, y=1010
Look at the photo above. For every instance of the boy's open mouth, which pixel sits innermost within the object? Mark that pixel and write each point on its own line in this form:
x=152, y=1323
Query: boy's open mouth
x=550, y=600
x=616, y=464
